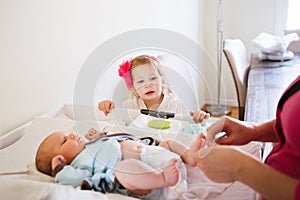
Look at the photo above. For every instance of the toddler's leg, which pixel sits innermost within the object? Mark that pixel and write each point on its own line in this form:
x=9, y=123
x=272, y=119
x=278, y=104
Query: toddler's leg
x=140, y=178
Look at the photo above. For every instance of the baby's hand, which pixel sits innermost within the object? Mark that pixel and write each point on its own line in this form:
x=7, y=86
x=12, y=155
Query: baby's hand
x=199, y=115
x=93, y=134
x=106, y=106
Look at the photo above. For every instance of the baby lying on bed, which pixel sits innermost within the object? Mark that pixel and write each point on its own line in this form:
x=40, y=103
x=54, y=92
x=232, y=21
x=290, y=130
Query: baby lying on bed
x=115, y=163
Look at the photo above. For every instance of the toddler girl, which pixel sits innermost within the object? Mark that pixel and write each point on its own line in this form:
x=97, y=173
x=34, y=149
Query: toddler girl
x=148, y=87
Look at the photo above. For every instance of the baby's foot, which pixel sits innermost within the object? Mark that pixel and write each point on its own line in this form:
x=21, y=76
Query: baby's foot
x=93, y=134
x=164, y=144
x=171, y=173
x=197, y=144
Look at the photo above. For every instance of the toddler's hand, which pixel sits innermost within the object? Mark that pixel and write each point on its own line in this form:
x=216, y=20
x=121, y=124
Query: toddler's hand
x=106, y=106
x=199, y=115
x=93, y=134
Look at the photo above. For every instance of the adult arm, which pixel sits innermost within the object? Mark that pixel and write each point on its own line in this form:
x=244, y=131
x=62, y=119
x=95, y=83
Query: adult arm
x=267, y=181
x=227, y=164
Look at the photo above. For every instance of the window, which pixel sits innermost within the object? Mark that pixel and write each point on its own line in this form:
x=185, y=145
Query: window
x=287, y=16
x=293, y=15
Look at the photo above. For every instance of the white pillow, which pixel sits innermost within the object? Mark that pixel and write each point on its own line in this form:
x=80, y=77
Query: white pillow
x=17, y=156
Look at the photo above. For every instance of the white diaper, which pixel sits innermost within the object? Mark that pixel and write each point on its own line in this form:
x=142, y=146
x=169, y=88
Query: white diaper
x=159, y=157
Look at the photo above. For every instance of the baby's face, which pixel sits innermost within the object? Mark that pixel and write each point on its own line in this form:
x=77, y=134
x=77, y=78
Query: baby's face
x=147, y=82
x=68, y=145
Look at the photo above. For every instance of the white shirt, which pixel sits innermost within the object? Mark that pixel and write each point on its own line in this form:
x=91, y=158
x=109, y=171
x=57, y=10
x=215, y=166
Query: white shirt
x=170, y=103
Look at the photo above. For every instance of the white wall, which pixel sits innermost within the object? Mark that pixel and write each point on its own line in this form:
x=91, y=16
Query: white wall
x=243, y=19
x=43, y=44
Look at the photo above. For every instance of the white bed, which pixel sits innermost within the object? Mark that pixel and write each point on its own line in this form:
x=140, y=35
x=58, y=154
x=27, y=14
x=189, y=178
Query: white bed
x=20, y=180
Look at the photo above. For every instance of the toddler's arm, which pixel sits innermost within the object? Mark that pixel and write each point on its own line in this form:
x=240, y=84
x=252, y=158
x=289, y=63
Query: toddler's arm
x=199, y=115
x=106, y=106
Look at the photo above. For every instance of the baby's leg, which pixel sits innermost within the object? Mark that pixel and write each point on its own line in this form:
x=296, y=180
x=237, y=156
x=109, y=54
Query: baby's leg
x=189, y=156
x=140, y=178
x=186, y=154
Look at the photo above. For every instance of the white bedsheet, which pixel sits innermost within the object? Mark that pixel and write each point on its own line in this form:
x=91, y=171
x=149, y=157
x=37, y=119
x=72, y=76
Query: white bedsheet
x=20, y=180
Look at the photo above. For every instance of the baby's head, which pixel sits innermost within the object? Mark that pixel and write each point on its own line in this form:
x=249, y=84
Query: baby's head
x=68, y=145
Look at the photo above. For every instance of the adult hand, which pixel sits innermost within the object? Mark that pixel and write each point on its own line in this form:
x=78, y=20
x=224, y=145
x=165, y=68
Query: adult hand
x=106, y=106
x=236, y=132
x=227, y=164
x=220, y=163
x=199, y=115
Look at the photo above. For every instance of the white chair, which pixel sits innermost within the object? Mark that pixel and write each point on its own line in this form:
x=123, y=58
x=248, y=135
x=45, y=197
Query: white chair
x=295, y=45
x=238, y=60
x=181, y=77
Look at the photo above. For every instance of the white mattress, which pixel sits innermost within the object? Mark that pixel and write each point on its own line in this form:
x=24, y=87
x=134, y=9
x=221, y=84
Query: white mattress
x=20, y=180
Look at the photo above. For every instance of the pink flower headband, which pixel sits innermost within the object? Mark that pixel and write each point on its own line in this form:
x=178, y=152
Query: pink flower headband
x=124, y=71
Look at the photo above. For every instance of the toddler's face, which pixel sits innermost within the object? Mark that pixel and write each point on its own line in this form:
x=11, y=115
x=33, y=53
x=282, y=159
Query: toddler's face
x=68, y=145
x=147, y=82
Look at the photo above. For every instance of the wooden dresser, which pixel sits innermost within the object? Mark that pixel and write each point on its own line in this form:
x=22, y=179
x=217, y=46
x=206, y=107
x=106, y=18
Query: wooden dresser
x=267, y=80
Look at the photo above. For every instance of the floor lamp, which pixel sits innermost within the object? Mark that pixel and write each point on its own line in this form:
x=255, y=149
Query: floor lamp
x=218, y=109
